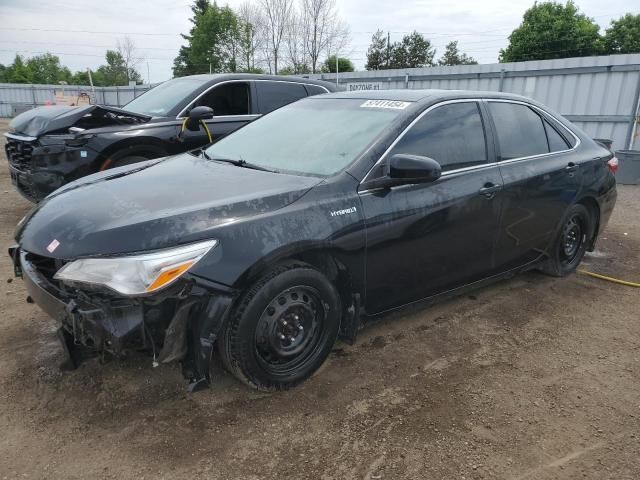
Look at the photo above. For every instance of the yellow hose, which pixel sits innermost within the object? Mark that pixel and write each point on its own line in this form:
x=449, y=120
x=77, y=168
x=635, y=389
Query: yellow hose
x=206, y=128
x=202, y=122
x=610, y=279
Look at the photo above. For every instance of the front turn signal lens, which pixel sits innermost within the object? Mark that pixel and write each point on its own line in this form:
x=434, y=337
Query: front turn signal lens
x=169, y=275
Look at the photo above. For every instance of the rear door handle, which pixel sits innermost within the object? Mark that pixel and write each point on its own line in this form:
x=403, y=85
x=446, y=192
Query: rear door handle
x=490, y=189
x=571, y=167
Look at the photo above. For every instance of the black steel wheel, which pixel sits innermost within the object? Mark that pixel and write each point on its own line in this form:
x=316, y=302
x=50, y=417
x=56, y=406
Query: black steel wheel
x=572, y=238
x=576, y=230
x=283, y=328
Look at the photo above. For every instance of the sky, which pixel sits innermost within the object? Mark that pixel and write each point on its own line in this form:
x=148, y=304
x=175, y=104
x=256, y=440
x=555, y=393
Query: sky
x=79, y=32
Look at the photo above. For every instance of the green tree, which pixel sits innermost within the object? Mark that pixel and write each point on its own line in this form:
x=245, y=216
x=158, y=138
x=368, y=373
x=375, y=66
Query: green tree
x=623, y=35
x=80, y=78
x=182, y=63
x=414, y=51
x=378, y=52
x=552, y=30
x=344, y=65
x=114, y=72
x=46, y=69
x=18, y=72
x=452, y=56
x=295, y=70
x=3, y=74
x=213, y=43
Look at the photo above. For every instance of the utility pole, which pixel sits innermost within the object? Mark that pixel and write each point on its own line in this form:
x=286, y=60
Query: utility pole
x=388, y=49
x=148, y=75
x=337, y=68
x=93, y=89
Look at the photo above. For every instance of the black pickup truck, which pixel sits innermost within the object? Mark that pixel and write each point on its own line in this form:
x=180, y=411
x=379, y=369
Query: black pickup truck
x=48, y=147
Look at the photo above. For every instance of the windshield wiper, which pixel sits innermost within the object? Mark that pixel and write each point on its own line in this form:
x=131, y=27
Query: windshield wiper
x=236, y=162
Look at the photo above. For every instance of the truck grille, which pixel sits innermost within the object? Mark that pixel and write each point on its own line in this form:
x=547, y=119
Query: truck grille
x=19, y=153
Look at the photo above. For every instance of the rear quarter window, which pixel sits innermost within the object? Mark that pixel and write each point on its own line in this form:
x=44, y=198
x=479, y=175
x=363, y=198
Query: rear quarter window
x=273, y=95
x=315, y=90
x=557, y=143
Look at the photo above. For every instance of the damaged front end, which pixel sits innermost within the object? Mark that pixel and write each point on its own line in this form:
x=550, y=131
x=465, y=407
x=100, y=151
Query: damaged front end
x=49, y=146
x=179, y=323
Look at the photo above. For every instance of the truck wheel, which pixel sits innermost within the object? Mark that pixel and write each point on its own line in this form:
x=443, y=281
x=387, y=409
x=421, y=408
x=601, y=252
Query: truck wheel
x=570, y=244
x=283, y=328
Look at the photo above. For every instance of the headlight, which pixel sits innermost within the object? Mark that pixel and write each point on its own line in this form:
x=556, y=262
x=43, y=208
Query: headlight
x=136, y=274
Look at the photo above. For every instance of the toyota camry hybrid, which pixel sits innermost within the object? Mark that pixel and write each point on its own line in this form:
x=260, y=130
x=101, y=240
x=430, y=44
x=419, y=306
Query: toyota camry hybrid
x=268, y=245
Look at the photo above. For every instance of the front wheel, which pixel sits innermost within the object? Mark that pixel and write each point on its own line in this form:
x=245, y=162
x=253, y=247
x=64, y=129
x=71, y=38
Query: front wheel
x=571, y=242
x=283, y=328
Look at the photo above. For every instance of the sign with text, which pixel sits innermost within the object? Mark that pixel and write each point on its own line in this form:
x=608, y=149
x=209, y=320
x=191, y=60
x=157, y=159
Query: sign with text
x=355, y=87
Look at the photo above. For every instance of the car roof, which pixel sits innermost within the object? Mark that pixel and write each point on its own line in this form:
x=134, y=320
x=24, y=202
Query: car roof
x=421, y=96
x=218, y=77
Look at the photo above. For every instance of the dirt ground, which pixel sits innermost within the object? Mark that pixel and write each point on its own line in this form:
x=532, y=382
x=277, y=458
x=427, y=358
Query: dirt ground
x=532, y=378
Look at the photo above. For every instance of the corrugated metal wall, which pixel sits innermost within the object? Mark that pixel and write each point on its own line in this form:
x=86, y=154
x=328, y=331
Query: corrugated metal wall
x=20, y=96
x=599, y=94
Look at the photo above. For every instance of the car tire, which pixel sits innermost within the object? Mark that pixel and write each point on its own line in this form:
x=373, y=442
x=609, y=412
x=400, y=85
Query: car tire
x=282, y=329
x=570, y=244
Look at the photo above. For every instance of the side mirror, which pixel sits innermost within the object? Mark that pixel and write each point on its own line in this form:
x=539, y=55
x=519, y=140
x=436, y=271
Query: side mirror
x=196, y=115
x=413, y=169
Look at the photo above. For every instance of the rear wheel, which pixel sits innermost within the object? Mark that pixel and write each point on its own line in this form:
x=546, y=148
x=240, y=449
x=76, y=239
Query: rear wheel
x=283, y=328
x=571, y=242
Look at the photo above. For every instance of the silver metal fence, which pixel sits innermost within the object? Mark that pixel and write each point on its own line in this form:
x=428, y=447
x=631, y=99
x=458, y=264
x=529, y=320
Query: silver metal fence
x=15, y=97
x=601, y=95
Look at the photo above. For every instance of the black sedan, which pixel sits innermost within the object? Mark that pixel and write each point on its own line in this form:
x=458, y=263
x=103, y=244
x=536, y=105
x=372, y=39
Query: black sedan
x=48, y=147
x=298, y=228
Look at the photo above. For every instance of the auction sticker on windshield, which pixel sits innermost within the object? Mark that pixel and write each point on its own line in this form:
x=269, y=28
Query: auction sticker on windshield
x=395, y=104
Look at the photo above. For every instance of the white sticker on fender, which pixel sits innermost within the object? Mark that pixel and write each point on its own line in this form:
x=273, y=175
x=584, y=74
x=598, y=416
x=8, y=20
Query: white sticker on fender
x=395, y=104
x=53, y=245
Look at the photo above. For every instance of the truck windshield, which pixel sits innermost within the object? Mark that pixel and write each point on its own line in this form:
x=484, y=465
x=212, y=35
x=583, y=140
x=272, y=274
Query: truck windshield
x=160, y=100
x=315, y=136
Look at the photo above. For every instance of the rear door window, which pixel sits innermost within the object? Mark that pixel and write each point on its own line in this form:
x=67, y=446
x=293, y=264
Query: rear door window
x=453, y=135
x=273, y=95
x=519, y=129
x=227, y=99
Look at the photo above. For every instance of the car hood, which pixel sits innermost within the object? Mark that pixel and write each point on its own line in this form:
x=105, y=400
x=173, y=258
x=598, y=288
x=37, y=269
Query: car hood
x=41, y=120
x=158, y=204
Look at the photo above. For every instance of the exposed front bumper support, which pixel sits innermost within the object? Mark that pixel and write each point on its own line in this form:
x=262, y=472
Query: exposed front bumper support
x=189, y=329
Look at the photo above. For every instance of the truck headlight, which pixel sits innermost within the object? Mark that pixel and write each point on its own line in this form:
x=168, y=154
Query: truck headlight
x=136, y=274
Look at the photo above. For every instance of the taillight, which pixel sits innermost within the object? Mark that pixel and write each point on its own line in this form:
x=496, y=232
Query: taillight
x=613, y=165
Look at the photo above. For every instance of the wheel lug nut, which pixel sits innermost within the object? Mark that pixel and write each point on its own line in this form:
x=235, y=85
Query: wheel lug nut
x=282, y=337
x=300, y=327
x=284, y=322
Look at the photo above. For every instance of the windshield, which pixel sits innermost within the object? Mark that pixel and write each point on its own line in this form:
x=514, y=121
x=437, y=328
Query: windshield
x=310, y=137
x=160, y=100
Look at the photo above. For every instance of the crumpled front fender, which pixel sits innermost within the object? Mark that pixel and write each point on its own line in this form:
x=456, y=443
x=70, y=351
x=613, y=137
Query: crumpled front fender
x=194, y=329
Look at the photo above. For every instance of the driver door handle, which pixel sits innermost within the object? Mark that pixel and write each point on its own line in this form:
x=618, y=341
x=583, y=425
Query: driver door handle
x=571, y=167
x=489, y=190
